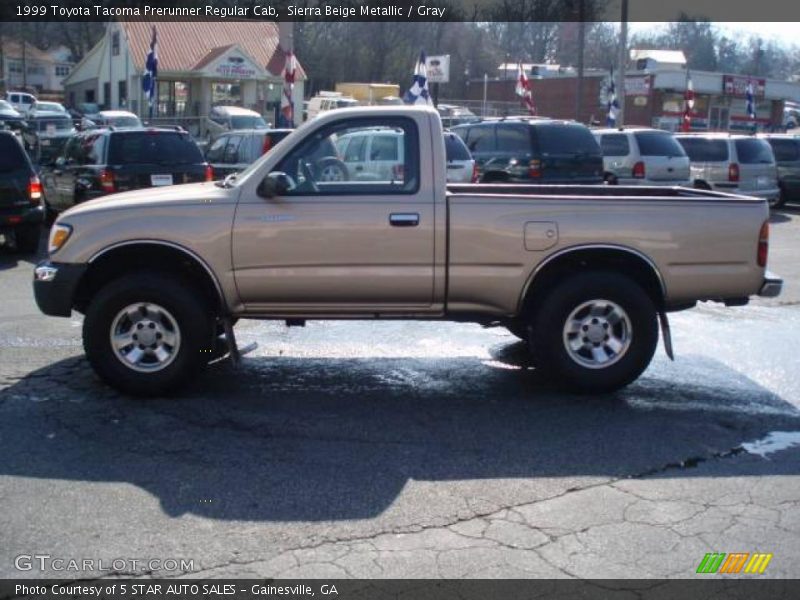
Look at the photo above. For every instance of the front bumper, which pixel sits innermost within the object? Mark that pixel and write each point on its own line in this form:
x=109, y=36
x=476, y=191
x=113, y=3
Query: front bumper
x=772, y=286
x=54, y=286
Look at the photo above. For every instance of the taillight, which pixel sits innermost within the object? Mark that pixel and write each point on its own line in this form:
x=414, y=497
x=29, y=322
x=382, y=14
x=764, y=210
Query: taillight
x=107, y=181
x=476, y=174
x=638, y=170
x=209, y=173
x=535, y=169
x=34, y=190
x=267, y=144
x=733, y=172
x=763, y=245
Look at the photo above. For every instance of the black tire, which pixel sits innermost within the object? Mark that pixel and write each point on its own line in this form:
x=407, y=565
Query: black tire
x=549, y=343
x=330, y=168
x=194, y=323
x=518, y=329
x=27, y=237
x=781, y=200
x=610, y=179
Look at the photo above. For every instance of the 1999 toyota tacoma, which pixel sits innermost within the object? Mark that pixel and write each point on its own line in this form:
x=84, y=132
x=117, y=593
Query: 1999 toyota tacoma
x=336, y=224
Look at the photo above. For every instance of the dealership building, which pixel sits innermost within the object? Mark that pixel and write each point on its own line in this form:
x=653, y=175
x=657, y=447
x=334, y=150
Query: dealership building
x=200, y=64
x=655, y=88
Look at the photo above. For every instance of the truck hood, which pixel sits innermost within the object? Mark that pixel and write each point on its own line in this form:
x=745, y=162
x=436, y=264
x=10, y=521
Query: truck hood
x=185, y=194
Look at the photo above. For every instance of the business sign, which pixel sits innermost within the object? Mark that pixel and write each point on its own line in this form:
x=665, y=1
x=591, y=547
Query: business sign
x=438, y=68
x=235, y=67
x=637, y=86
x=736, y=85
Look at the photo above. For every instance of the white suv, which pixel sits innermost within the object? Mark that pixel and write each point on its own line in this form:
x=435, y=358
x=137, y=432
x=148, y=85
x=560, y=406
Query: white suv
x=21, y=101
x=641, y=156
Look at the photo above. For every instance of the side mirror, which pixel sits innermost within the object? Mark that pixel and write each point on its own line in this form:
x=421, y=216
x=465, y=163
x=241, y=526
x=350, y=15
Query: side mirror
x=275, y=184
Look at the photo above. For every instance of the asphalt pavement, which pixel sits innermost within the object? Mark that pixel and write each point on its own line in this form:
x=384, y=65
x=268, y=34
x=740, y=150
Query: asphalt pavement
x=405, y=449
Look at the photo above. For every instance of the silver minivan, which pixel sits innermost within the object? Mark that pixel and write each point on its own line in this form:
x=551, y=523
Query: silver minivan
x=738, y=164
x=640, y=156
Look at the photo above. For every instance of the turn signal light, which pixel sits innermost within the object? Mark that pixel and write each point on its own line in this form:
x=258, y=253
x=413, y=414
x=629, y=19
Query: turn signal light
x=209, y=173
x=763, y=245
x=535, y=169
x=35, y=190
x=638, y=170
x=107, y=181
x=733, y=172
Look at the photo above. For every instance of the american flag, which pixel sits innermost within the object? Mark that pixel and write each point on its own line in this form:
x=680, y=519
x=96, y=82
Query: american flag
x=524, y=90
x=151, y=69
x=751, y=106
x=287, y=106
x=418, y=92
x=688, y=98
x=613, y=105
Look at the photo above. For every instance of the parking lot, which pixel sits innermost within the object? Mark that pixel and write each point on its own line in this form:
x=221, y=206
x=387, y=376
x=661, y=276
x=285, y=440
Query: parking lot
x=350, y=449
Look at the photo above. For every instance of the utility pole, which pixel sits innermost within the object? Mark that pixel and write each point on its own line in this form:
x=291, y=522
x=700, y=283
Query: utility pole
x=581, y=43
x=623, y=63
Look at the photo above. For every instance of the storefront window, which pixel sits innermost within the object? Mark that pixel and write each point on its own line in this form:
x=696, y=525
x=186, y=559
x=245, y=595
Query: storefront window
x=173, y=97
x=226, y=94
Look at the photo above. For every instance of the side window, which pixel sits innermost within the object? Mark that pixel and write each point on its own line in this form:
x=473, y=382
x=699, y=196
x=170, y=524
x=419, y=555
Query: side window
x=462, y=133
x=481, y=139
x=94, y=154
x=27, y=99
x=513, y=138
x=614, y=144
x=391, y=167
x=232, y=149
x=217, y=149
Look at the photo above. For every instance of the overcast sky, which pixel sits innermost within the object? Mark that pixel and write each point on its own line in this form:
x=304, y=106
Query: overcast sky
x=784, y=32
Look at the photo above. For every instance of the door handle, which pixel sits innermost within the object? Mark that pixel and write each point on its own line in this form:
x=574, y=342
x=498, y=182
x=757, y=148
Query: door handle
x=404, y=219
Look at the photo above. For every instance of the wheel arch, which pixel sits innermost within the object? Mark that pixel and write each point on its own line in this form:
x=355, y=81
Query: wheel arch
x=576, y=259
x=132, y=255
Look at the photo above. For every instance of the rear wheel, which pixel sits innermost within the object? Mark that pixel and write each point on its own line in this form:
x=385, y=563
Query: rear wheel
x=779, y=201
x=145, y=334
x=27, y=237
x=595, y=332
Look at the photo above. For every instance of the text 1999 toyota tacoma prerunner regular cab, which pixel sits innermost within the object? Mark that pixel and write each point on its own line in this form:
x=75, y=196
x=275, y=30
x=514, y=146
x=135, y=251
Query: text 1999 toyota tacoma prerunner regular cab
x=335, y=224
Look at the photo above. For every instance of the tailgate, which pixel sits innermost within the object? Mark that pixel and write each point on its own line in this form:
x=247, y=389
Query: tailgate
x=14, y=188
x=134, y=177
x=666, y=168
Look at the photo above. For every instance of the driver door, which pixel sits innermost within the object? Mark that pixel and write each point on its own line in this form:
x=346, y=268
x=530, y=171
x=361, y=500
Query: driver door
x=343, y=244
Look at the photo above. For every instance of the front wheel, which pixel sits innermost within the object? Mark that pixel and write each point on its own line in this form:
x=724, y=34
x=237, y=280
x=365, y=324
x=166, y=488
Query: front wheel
x=595, y=332
x=145, y=334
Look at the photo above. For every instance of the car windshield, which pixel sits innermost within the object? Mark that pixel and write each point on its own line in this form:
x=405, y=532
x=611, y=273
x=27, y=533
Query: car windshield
x=656, y=143
x=704, y=150
x=54, y=124
x=153, y=147
x=754, y=152
x=346, y=103
x=12, y=156
x=248, y=122
x=53, y=106
x=124, y=121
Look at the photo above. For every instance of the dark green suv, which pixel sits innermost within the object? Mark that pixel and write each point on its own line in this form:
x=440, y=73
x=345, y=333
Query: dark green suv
x=527, y=150
x=786, y=148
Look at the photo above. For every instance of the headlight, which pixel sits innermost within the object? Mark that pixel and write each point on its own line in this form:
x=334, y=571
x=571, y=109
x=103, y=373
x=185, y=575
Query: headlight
x=59, y=234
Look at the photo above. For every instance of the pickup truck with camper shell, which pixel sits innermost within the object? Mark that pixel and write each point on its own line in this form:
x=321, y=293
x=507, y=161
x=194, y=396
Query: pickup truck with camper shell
x=585, y=274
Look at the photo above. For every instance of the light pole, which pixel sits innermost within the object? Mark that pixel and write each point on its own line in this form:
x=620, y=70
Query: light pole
x=623, y=63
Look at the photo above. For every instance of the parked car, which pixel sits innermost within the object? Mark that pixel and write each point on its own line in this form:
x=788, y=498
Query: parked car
x=21, y=101
x=119, y=119
x=737, y=164
x=21, y=199
x=641, y=156
x=102, y=161
x=232, y=118
x=234, y=151
x=9, y=113
x=84, y=113
x=461, y=167
x=531, y=150
x=584, y=273
x=46, y=134
x=325, y=101
x=786, y=149
x=47, y=107
x=456, y=115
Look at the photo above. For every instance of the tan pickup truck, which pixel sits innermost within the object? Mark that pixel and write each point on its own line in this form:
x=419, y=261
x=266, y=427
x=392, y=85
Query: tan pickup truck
x=350, y=217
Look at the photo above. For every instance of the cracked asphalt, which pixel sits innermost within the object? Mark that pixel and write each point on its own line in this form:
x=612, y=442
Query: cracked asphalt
x=406, y=449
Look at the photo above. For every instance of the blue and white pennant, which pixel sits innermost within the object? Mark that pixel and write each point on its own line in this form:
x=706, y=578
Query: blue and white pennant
x=418, y=92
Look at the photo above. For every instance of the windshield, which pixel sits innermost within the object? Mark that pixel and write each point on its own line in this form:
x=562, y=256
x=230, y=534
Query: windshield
x=124, y=121
x=54, y=124
x=345, y=103
x=753, y=152
x=248, y=122
x=655, y=143
x=153, y=147
x=49, y=106
x=704, y=150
